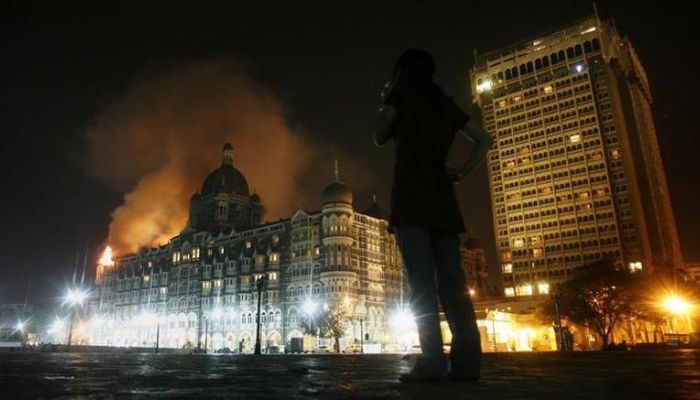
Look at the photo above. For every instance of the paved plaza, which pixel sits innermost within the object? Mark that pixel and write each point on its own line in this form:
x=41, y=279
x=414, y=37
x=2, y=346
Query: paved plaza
x=625, y=375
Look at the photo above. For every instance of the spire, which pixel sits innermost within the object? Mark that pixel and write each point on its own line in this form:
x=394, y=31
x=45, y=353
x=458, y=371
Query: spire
x=336, y=171
x=228, y=154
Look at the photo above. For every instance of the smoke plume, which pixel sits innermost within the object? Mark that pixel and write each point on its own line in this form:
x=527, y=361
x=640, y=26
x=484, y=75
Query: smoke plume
x=160, y=139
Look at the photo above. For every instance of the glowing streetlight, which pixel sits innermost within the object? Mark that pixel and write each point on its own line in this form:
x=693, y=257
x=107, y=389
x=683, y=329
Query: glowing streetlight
x=676, y=305
x=75, y=297
x=309, y=307
x=20, y=327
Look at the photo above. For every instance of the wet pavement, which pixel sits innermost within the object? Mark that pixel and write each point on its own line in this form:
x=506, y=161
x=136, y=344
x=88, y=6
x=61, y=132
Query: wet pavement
x=671, y=374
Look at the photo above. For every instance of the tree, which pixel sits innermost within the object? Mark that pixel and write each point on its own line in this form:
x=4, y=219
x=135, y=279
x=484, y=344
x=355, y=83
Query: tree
x=330, y=323
x=598, y=297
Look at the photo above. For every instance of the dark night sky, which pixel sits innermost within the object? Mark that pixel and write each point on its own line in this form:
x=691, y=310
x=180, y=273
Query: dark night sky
x=60, y=65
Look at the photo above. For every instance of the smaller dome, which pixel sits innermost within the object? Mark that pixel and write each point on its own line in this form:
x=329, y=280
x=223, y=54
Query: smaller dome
x=337, y=192
x=472, y=243
x=228, y=146
x=376, y=211
x=255, y=198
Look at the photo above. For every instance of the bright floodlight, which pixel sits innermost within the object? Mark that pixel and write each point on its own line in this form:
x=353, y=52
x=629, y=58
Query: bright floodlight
x=56, y=326
x=20, y=326
x=579, y=68
x=75, y=297
x=676, y=305
x=309, y=307
x=147, y=317
x=402, y=320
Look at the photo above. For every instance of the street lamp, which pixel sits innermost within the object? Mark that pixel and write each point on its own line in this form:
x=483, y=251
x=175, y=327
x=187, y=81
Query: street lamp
x=74, y=298
x=676, y=305
x=259, y=283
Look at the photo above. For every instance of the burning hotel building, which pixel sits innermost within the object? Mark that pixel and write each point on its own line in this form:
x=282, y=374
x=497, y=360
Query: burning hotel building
x=203, y=282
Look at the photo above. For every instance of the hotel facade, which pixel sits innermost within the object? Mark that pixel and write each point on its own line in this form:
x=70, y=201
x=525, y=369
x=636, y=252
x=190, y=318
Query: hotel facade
x=575, y=170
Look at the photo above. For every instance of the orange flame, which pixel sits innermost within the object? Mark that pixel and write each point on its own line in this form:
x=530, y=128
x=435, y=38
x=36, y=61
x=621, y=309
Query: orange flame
x=106, y=258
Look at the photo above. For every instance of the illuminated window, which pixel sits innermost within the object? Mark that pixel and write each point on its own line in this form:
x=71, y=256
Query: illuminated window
x=150, y=264
x=509, y=291
x=505, y=256
x=517, y=99
x=195, y=253
x=524, y=290
x=547, y=190
x=317, y=251
x=635, y=266
x=272, y=276
x=510, y=164
x=248, y=244
x=583, y=195
x=206, y=285
x=146, y=278
x=543, y=288
x=537, y=252
x=508, y=268
x=548, y=89
x=472, y=292
x=503, y=104
x=275, y=239
x=259, y=260
x=518, y=243
x=163, y=290
x=274, y=257
x=596, y=156
x=535, y=240
x=217, y=283
x=221, y=250
x=575, y=138
x=615, y=154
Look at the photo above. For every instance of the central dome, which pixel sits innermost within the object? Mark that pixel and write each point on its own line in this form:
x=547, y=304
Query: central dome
x=337, y=192
x=226, y=179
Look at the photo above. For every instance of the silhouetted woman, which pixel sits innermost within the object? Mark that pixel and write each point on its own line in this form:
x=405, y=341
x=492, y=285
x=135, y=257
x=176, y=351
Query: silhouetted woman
x=425, y=215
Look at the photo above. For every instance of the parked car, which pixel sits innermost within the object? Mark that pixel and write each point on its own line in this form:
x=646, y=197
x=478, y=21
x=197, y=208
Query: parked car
x=352, y=349
x=393, y=348
x=323, y=349
x=275, y=350
x=224, y=350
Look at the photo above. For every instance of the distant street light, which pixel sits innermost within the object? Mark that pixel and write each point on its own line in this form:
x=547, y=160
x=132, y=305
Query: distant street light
x=74, y=298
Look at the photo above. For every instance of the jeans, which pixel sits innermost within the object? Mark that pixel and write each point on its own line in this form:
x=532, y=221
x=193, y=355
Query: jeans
x=434, y=267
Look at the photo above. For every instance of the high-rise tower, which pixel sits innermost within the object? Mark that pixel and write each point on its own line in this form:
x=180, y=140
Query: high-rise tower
x=575, y=170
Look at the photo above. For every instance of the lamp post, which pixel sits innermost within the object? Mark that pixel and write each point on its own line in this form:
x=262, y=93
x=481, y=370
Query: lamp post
x=74, y=298
x=260, y=282
x=558, y=316
x=362, y=335
x=206, y=333
x=157, y=333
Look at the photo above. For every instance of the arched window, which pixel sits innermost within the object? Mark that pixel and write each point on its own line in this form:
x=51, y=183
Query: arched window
x=538, y=64
x=587, y=47
x=514, y=72
x=561, y=56
x=523, y=69
x=554, y=58
x=570, y=52
x=500, y=76
x=578, y=50
x=545, y=62
x=508, y=74
x=596, y=44
x=529, y=66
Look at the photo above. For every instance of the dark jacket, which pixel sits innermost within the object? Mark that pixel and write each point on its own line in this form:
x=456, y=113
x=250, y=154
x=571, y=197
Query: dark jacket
x=425, y=125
